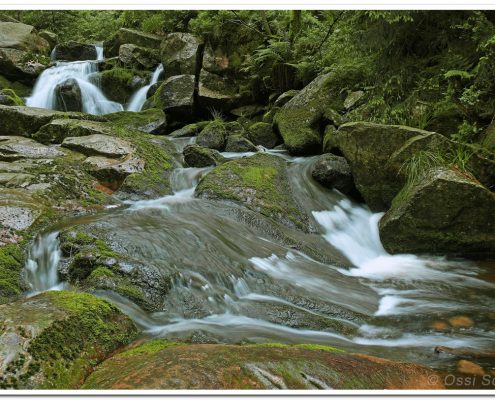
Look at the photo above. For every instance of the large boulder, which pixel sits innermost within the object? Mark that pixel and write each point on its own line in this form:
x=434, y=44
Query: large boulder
x=378, y=153
x=125, y=35
x=133, y=56
x=219, y=93
x=260, y=183
x=299, y=120
x=333, y=172
x=74, y=51
x=22, y=37
x=50, y=37
x=55, y=339
x=176, y=97
x=216, y=60
x=447, y=211
x=25, y=121
x=262, y=133
x=199, y=157
x=18, y=65
x=68, y=96
x=13, y=148
x=159, y=364
x=180, y=54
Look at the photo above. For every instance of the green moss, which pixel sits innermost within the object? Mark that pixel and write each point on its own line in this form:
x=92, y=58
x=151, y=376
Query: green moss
x=151, y=347
x=12, y=97
x=307, y=346
x=11, y=263
x=117, y=84
x=68, y=350
x=135, y=120
x=133, y=293
x=101, y=272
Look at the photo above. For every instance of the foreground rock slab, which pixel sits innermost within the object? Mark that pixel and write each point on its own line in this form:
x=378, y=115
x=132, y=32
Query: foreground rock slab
x=53, y=340
x=163, y=365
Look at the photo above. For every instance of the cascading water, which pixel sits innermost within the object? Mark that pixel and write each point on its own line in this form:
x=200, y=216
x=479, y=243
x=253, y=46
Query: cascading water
x=92, y=98
x=233, y=280
x=138, y=99
x=42, y=263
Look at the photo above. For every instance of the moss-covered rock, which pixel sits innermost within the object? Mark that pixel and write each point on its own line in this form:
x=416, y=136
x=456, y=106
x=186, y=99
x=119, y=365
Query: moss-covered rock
x=239, y=144
x=378, y=153
x=262, y=133
x=159, y=364
x=190, y=129
x=152, y=120
x=19, y=88
x=176, y=97
x=199, y=157
x=9, y=98
x=260, y=183
x=25, y=121
x=213, y=136
x=446, y=212
x=285, y=97
x=59, y=129
x=118, y=84
x=55, y=339
x=20, y=36
x=19, y=65
x=11, y=264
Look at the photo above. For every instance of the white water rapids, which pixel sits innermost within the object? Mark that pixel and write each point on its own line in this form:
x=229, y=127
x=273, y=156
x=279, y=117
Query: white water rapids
x=138, y=99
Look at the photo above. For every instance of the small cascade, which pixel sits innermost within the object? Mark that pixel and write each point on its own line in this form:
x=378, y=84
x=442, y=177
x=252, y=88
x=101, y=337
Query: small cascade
x=42, y=263
x=83, y=72
x=139, y=98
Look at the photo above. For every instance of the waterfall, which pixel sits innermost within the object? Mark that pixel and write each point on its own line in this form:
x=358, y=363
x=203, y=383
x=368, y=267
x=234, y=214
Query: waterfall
x=83, y=72
x=137, y=100
x=42, y=263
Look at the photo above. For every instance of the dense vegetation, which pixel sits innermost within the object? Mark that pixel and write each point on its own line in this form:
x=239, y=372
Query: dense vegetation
x=432, y=70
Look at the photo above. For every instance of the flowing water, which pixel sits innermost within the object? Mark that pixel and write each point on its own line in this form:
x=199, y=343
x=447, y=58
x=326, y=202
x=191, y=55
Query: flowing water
x=85, y=74
x=138, y=99
x=236, y=279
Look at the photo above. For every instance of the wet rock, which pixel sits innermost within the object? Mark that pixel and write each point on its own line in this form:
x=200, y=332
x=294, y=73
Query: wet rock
x=260, y=183
x=133, y=56
x=440, y=326
x=21, y=37
x=461, y=321
x=152, y=120
x=213, y=136
x=53, y=340
x=469, y=368
x=333, y=172
x=13, y=148
x=199, y=157
x=446, y=212
x=74, y=51
x=68, y=95
x=176, y=97
x=263, y=134
x=125, y=35
x=99, y=145
x=59, y=129
x=155, y=365
x=239, y=144
x=180, y=54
